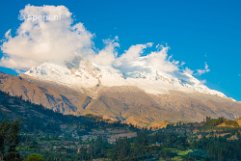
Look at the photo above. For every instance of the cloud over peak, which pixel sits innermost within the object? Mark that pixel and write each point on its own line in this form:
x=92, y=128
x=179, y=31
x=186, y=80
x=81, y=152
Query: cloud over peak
x=49, y=34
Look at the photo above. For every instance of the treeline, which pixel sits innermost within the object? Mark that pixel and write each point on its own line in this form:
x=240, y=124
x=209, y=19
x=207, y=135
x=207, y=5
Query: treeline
x=36, y=118
x=216, y=148
x=212, y=123
x=166, y=144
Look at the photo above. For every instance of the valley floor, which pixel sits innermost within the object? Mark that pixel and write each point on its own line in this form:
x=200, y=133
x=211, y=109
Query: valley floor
x=184, y=142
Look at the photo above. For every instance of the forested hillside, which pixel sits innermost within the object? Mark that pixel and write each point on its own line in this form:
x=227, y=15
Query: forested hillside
x=35, y=118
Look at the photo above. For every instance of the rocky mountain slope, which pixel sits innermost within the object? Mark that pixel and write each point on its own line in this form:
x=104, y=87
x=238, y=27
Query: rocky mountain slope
x=128, y=104
x=37, y=119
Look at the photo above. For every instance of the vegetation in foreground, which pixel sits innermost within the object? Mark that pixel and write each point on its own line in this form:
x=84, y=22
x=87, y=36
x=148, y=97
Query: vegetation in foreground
x=42, y=135
x=181, y=142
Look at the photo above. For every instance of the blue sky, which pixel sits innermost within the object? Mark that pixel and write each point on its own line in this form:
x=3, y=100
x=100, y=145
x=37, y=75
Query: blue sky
x=196, y=31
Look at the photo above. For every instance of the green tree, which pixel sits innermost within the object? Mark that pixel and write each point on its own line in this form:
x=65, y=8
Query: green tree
x=120, y=150
x=9, y=140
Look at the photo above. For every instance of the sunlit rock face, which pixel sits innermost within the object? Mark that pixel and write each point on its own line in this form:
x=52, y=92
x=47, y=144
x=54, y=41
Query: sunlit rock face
x=127, y=104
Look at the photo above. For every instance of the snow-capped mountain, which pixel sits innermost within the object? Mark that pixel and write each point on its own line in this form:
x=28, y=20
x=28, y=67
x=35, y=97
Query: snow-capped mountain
x=96, y=92
x=88, y=76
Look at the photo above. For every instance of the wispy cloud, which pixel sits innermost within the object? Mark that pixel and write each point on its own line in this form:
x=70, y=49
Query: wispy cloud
x=204, y=70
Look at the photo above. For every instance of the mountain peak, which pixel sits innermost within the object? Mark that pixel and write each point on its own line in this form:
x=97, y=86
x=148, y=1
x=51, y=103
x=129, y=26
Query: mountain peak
x=89, y=75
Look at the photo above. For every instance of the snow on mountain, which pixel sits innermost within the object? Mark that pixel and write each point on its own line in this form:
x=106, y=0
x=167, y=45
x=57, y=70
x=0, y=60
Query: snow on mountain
x=89, y=75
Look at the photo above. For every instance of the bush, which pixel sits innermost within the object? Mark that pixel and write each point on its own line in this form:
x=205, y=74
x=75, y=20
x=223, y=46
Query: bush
x=35, y=157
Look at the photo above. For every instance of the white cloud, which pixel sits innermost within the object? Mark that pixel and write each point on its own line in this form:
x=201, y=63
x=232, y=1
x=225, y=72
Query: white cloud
x=48, y=34
x=106, y=56
x=188, y=71
x=134, y=60
x=42, y=38
x=130, y=60
x=203, y=71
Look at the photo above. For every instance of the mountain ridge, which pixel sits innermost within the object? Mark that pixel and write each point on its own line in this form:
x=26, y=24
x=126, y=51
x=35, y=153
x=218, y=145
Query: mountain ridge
x=127, y=104
x=89, y=75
